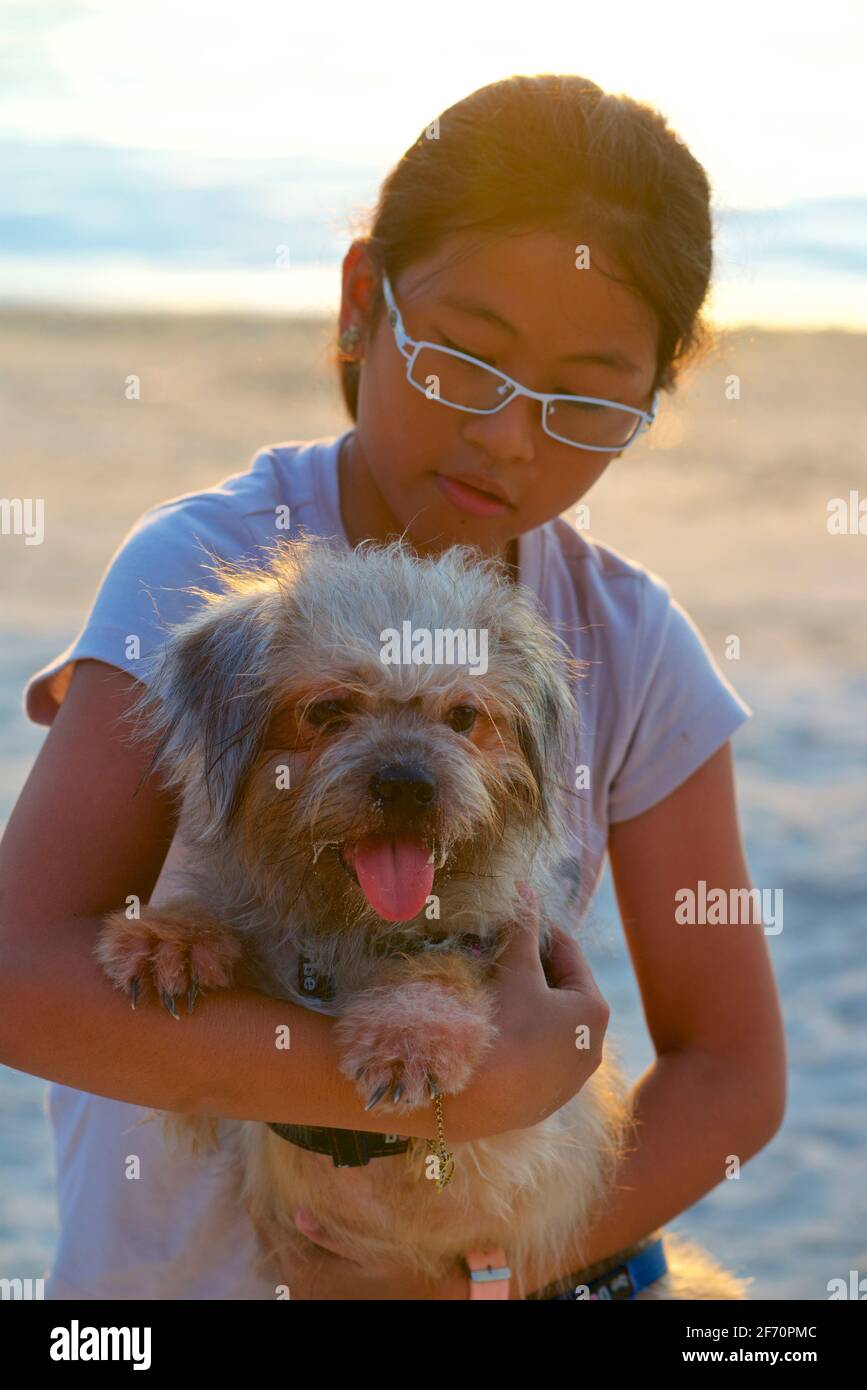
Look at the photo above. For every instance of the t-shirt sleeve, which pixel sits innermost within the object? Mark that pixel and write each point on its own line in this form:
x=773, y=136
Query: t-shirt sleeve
x=681, y=706
x=143, y=588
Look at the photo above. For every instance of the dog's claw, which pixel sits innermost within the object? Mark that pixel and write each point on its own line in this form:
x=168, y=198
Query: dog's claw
x=169, y=1002
x=396, y=1093
x=192, y=996
x=377, y=1096
x=135, y=984
x=431, y=1085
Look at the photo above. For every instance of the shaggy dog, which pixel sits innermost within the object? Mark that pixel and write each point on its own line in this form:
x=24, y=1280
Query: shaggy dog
x=370, y=749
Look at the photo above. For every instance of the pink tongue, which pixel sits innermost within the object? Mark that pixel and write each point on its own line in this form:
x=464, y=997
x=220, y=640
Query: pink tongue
x=395, y=873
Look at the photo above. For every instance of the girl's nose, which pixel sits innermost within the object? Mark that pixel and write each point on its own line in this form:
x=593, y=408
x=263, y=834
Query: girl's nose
x=510, y=435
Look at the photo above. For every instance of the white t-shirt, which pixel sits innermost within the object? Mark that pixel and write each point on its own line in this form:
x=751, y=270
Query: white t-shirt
x=653, y=706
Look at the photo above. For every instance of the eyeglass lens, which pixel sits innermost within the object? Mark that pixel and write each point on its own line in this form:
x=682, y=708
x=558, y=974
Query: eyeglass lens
x=477, y=387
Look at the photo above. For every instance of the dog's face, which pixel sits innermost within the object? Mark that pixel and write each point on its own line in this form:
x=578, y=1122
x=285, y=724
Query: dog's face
x=322, y=731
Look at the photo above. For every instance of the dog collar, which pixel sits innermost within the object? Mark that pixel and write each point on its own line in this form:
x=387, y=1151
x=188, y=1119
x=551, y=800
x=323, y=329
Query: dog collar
x=348, y=1148
x=318, y=986
x=623, y=1275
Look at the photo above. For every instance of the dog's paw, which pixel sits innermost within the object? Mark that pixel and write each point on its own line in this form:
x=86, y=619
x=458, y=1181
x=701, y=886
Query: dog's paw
x=402, y=1046
x=168, y=953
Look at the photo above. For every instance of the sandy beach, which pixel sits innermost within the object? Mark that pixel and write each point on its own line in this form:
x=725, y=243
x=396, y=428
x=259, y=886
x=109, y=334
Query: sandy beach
x=727, y=500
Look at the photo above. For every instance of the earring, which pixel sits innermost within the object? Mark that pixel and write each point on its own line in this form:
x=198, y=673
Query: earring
x=348, y=342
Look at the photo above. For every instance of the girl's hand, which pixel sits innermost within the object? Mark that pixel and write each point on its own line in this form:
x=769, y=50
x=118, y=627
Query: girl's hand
x=537, y=1064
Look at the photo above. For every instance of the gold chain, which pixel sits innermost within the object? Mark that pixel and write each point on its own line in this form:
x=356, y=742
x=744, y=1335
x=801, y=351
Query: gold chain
x=438, y=1147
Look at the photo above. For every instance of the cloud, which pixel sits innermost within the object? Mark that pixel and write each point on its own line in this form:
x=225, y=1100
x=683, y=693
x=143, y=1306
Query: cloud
x=29, y=67
x=84, y=199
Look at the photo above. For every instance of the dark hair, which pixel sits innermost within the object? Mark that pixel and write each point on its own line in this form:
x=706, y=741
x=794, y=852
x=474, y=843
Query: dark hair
x=554, y=153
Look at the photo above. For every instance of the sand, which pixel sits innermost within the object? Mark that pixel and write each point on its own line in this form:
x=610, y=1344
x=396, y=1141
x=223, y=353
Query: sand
x=726, y=500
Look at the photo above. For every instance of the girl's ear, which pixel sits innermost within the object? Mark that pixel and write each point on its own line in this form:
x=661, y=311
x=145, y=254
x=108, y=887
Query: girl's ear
x=207, y=703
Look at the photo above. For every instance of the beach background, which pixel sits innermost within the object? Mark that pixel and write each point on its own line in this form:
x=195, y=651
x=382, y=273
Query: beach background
x=162, y=257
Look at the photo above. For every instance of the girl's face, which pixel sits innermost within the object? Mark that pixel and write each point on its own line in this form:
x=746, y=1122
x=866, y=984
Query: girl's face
x=521, y=304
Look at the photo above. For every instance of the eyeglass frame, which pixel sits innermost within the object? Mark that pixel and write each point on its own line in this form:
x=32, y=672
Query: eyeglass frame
x=403, y=341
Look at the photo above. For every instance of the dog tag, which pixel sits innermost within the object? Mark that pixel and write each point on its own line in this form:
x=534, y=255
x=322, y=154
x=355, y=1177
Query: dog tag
x=445, y=1172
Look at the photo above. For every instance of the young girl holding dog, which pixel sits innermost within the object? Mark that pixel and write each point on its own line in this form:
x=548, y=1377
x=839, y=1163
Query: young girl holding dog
x=561, y=236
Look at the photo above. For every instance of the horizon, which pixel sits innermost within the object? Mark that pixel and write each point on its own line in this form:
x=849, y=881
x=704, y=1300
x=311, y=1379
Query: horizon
x=137, y=174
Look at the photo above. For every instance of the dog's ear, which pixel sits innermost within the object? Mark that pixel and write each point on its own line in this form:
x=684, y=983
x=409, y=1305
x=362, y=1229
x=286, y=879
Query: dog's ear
x=545, y=720
x=206, y=704
x=541, y=677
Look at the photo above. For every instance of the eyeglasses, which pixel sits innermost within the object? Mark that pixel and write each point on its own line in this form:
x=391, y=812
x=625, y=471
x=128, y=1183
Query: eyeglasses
x=455, y=379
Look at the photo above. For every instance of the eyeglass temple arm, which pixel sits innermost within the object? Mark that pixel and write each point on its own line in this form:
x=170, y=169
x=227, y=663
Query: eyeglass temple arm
x=400, y=333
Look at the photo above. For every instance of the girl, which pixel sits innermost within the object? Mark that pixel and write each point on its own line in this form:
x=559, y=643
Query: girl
x=560, y=238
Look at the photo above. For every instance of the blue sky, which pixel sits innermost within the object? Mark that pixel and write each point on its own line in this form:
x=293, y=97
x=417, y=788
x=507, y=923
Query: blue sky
x=175, y=146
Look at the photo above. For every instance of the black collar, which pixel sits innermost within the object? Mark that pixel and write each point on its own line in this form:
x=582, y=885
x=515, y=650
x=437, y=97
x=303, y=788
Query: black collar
x=348, y=1148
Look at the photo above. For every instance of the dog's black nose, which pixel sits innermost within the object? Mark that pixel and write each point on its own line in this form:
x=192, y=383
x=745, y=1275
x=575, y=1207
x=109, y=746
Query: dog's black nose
x=404, y=787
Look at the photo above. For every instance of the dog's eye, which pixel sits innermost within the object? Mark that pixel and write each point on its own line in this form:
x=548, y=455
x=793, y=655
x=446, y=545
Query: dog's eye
x=328, y=712
x=461, y=718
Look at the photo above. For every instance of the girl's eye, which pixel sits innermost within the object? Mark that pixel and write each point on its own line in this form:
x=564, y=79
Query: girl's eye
x=558, y=391
x=581, y=407
x=457, y=347
x=461, y=718
x=328, y=712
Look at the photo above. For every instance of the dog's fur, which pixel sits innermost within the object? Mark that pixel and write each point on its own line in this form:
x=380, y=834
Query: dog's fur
x=229, y=710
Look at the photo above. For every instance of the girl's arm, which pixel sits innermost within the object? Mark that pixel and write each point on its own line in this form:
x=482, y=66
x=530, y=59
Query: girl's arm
x=718, y=1085
x=89, y=829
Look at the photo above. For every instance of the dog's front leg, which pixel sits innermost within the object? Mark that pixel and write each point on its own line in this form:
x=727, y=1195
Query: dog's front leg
x=171, y=951
x=423, y=1028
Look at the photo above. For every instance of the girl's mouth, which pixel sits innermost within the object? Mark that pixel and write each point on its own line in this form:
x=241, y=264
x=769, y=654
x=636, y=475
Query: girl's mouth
x=470, y=499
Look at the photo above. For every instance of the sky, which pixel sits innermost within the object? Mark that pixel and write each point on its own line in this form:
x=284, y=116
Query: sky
x=768, y=95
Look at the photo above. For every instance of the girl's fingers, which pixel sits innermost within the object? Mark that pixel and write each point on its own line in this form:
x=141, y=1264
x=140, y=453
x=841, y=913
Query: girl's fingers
x=529, y=919
x=521, y=950
x=567, y=965
x=529, y=895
